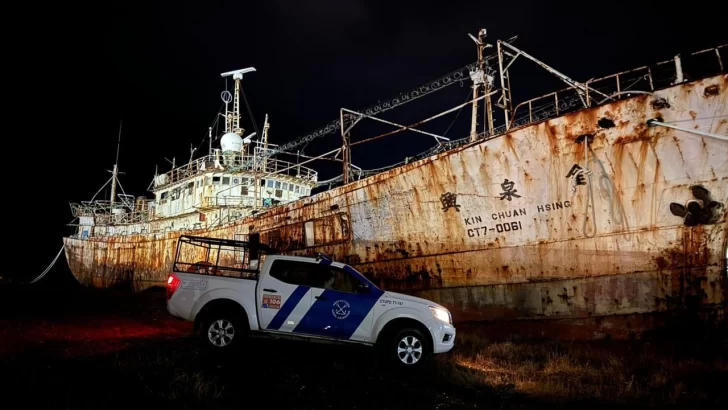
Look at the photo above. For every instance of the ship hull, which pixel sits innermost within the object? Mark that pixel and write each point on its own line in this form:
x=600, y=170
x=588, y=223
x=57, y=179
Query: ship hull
x=506, y=228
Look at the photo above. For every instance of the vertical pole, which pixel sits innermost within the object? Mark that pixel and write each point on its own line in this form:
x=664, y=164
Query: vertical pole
x=678, y=70
x=486, y=86
x=344, y=149
x=115, y=172
x=265, y=143
x=504, y=90
x=209, y=137
x=236, y=106
x=474, y=118
x=113, y=186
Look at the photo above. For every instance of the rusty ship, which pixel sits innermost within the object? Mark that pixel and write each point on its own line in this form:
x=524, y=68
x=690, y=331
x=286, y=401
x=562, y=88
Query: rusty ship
x=602, y=203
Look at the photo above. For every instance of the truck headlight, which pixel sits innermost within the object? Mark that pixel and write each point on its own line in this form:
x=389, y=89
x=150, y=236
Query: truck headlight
x=441, y=313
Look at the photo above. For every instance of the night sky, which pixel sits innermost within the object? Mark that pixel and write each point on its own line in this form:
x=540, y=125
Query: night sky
x=77, y=70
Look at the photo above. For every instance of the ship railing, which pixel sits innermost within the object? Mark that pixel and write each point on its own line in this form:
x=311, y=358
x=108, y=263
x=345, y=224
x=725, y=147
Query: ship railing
x=234, y=162
x=696, y=65
x=103, y=213
x=621, y=85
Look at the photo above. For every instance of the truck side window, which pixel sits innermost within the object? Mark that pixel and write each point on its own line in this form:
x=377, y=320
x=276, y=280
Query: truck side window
x=293, y=272
x=329, y=277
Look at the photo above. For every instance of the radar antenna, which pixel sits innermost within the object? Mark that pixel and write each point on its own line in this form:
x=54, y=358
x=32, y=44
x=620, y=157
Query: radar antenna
x=234, y=119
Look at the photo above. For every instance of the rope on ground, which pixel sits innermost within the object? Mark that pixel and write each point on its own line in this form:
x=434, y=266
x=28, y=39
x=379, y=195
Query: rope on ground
x=48, y=269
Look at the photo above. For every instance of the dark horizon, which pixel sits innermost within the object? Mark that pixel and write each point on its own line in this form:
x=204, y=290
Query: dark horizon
x=157, y=66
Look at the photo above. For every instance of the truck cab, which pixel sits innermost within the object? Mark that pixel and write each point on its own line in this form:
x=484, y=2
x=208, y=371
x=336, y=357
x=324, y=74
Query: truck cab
x=233, y=289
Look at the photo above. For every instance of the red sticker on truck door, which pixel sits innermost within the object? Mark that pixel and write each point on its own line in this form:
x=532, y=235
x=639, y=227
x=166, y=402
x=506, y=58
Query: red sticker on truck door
x=271, y=301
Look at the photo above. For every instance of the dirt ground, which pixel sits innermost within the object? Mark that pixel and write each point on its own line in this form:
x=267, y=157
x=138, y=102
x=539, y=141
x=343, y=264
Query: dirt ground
x=77, y=348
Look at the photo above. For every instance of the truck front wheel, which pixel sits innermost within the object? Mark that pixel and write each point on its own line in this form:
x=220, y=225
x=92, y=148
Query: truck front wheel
x=409, y=348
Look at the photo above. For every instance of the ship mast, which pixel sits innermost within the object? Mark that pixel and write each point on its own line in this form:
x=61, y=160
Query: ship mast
x=115, y=172
x=480, y=83
x=234, y=119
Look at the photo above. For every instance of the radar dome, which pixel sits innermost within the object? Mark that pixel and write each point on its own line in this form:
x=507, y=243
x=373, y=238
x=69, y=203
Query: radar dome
x=231, y=142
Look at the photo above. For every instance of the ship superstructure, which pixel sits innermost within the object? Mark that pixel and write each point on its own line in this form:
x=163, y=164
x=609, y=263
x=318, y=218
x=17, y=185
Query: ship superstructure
x=230, y=182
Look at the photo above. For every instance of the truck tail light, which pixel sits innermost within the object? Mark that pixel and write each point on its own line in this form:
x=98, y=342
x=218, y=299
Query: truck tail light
x=172, y=285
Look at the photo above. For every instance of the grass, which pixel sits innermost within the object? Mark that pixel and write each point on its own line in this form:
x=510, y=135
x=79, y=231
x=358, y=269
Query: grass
x=127, y=350
x=622, y=373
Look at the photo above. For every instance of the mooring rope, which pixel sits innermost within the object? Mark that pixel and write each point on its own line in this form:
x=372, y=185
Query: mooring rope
x=48, y=269
x=590, y=197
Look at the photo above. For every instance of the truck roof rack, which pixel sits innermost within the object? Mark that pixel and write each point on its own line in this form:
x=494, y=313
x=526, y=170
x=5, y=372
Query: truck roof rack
x=205, y=240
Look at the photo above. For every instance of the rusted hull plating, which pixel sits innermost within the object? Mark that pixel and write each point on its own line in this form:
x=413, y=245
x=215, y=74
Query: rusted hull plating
x=508, y=227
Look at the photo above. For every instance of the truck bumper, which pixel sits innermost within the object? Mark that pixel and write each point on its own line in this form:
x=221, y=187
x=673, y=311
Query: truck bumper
x=443, y=336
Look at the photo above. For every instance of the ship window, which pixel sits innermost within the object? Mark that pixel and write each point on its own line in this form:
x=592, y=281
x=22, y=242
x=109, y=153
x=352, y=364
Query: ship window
x=279, y=193
x=296, y=191
x=244, y=190
x=215, y=180
x=285, y=186
x=175, y=193
x=270, y=183
x=245, y=181
x=199, y=182
x=190, y=187
x=290, y=188
x=278, y=184
x=226, y=180
x=164, y=195
x=207, y=180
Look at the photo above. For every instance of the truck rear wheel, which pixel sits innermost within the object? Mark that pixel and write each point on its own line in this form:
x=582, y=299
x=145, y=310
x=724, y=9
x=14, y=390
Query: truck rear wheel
x=222, y=331
x=408, y=348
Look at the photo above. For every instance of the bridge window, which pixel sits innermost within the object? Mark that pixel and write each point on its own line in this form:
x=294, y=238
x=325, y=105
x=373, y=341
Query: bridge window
x=279, y=193
x=290, y=188
x=296, y=191
x=285, y=186
x=278, y=184
x=270, y=183
x=245, y=181
x=243, y=190
x=215, y=180
x=226, y=180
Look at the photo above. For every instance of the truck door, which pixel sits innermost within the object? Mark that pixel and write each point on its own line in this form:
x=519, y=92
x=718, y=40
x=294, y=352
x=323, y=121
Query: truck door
x=341, y=305
x=284, y=295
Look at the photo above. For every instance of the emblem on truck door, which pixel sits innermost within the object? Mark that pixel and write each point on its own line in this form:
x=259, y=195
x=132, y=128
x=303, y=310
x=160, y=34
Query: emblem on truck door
x=271, y=301
x=341, y=309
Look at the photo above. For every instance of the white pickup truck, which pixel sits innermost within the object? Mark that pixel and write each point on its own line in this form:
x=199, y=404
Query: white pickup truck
x=217, y=284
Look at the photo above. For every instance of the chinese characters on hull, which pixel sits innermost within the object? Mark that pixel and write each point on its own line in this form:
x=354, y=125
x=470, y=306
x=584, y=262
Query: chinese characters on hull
x=508, y=190
x=449, y=200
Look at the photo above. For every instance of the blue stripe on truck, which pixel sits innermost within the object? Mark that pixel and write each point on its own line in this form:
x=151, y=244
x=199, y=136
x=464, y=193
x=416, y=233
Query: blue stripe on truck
x=287, y=308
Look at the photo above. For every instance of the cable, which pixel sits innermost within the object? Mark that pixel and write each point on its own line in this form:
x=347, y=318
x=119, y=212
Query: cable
x=250, y=112
x=48, y=269
x=590, y=198
x=467, y=96
x=703, y=133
